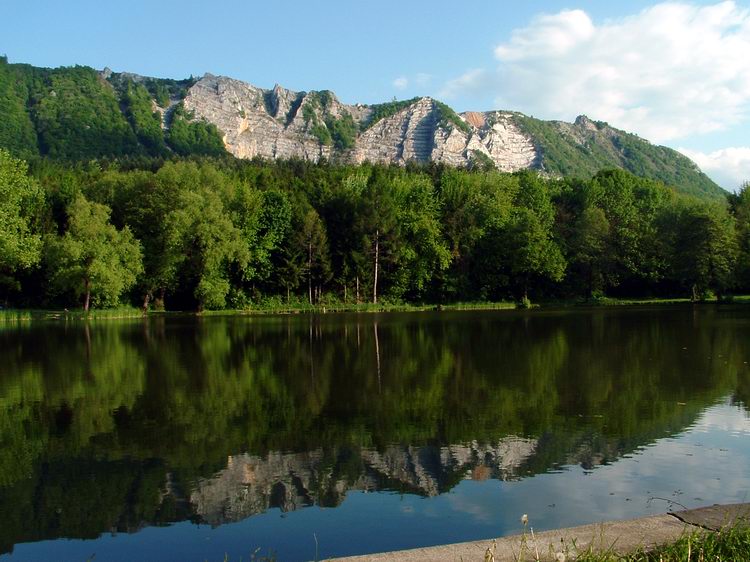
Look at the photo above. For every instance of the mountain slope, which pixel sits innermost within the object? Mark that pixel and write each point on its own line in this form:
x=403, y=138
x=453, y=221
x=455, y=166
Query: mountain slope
x=79, y=113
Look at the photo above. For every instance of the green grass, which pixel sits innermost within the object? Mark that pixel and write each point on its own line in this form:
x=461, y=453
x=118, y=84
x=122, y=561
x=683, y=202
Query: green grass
x=10, y=316
x=673, y=300
x=612, y=301
x=729, y=544
x=276, y=307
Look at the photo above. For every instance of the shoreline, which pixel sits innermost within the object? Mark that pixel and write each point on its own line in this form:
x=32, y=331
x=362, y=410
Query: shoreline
x=608, y=538
x=27, y=315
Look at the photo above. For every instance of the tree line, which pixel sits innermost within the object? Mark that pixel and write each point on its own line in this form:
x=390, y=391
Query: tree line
x=215, y=233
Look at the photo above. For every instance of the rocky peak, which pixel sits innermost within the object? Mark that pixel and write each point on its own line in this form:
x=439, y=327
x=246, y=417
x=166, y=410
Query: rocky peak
x=585, y=123
x=475, y=119
x=281, y=101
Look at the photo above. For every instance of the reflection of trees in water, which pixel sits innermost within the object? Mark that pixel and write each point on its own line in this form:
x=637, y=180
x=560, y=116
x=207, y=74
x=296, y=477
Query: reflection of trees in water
x=145, y=410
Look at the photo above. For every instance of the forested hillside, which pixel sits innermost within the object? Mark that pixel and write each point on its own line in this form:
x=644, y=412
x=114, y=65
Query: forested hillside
x=583, y=148
x=78, y=114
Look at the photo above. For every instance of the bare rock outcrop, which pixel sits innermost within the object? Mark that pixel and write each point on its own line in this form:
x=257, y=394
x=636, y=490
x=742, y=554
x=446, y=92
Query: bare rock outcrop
x=280, y=123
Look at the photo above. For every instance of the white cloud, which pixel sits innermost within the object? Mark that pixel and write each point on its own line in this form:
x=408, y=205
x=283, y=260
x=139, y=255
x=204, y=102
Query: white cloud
x=548, y=36
x=472, y=82
x=401, y=83
x=422, y=79
x=729, y=167
x=672, y=70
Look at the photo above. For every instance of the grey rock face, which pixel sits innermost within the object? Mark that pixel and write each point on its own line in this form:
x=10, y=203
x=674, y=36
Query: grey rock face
x=280, y=123
x=254, y=121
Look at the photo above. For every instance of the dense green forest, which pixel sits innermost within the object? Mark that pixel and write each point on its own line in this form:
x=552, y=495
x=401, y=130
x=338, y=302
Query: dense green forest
x=215, y=233
x=75, y=113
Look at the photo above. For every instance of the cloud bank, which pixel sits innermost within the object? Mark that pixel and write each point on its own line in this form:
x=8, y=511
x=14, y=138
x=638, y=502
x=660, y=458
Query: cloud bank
x=729, y=167
x=671, y=71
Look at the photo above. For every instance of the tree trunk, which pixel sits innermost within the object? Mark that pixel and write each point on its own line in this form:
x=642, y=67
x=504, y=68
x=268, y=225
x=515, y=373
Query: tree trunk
x=377, y=263
x=309, y=272
x=87, y=299
x=159, y=301
x=146, y=301
x=377, y=353
x=357, y=287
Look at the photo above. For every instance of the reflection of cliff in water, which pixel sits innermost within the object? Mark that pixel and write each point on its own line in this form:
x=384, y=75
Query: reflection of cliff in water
x=130, y=424
x=288, y=481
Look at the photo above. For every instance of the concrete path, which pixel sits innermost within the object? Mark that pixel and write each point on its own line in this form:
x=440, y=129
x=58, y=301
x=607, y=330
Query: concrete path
x=614, y=536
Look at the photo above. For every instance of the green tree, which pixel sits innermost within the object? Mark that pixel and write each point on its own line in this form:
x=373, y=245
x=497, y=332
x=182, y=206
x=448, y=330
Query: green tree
x=204, y=244
x=17, y=132
x=340, y=210
x=532, y=251
x=377, y=221
x=187, y=136
x=741, y=209
x=313, y=241
x=420, y=250
x=78, y=116
x=475, y=209
x=705, y=249
x=264, y=219
x=632, y=207
x=93, y=259
x=21, y=200
x=145, y=121
x=589, y=248
x=143, y=201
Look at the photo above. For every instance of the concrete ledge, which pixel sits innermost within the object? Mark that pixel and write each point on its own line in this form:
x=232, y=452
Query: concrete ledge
x=619, y=537
x=716, y=517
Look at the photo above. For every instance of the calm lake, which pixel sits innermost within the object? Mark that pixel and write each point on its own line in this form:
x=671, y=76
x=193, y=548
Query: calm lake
x=183, y=438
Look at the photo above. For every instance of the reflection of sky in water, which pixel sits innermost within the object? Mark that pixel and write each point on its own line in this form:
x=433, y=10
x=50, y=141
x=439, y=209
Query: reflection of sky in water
x=708, y=463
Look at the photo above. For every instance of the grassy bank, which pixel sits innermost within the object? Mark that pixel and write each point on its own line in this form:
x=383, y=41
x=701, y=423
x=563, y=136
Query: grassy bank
x=730, y=544
x=277, y=306
x=10, y=316
x=301, y=308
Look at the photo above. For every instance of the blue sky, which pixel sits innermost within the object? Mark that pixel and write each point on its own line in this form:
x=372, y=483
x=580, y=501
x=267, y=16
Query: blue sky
x=676, y=73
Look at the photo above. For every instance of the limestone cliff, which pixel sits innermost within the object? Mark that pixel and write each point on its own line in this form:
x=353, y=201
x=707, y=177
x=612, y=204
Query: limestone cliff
x=279, y=123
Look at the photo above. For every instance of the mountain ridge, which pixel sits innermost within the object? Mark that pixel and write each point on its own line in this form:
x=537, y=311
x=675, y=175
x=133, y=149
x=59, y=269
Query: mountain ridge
x=80, y=113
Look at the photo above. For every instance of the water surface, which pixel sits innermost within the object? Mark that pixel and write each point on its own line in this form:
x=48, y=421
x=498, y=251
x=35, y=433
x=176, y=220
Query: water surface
x=184, y=438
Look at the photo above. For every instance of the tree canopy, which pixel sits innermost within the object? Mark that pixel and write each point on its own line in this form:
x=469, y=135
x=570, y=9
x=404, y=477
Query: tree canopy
x=219, y=232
